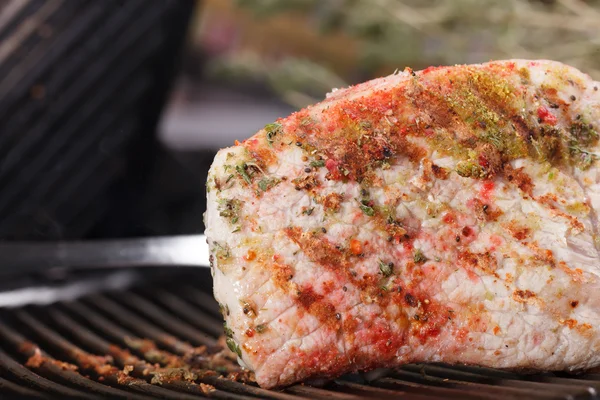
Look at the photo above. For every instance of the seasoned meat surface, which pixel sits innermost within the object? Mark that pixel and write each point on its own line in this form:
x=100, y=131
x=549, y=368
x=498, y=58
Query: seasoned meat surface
x=449, y=214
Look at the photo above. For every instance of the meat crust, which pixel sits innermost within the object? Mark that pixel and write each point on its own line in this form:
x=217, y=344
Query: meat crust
x=446, y=215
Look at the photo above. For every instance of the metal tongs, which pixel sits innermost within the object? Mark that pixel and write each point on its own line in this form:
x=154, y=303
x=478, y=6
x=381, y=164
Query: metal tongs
x=27, y=257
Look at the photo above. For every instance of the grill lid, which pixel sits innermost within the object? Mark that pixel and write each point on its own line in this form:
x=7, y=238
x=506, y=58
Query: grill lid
x=160, y=339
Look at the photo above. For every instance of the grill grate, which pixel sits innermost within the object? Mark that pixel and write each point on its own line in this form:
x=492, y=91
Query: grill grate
x=159, y=339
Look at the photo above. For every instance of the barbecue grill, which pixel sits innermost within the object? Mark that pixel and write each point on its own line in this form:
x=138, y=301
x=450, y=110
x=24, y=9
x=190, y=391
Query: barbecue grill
x=147, y=333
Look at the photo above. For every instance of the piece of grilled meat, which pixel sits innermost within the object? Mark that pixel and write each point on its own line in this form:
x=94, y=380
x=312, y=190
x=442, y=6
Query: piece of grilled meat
x=442, y=215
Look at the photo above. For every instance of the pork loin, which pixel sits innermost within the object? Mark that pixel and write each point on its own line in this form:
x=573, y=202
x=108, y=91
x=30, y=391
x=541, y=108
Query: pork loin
x=446, y=215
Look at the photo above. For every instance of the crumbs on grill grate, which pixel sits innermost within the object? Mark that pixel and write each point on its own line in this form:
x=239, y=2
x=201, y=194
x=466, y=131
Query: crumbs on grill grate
x=37, y=360
x=163, y=367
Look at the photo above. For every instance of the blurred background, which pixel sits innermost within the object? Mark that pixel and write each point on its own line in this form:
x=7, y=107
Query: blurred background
x=111, y=111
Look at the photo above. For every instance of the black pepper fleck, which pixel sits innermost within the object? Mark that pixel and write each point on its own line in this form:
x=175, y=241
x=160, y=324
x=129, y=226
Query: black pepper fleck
x=410, y=299
x=344, y=288
x=457, y=238
x=298, y=144
x=307, y=170
x=338, y=316
x=574, y=303
x=323, y=230
x=573, y=98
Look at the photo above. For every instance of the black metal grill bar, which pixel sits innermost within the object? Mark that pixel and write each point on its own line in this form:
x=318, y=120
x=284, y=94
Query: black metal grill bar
x=373, y=392
x=201, y=299
x=13, y=389
x=561, y=385
x=50, y=366
x=33, y=380
x=237, y=387
x=166, y=321
x=319, y=393
x=140, y=326
x=468, y=388
x=187, y=312
x=432, y=389
x=118, y=334
x=142, y=368
x=92, y=363
x=124, y=358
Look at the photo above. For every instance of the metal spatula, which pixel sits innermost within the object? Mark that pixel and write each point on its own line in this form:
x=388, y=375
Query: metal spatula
x=24, y=257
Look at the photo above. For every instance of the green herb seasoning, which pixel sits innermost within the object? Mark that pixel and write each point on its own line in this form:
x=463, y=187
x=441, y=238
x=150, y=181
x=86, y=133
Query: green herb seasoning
x=227, y=330
x=267, y=183
x=419, y=257
x=222, y=252
x=386, y=269
x=272, y=130
x=241, y=169
x=233, y=346
x=230, y=209
x=365, y=208
x=308, y=211
x=469, y=169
